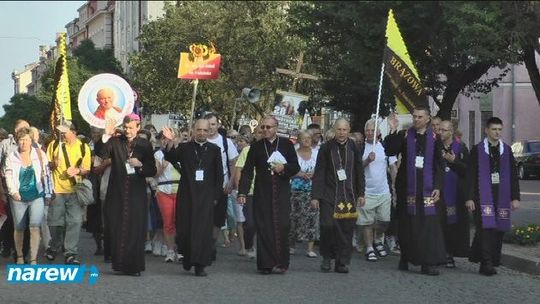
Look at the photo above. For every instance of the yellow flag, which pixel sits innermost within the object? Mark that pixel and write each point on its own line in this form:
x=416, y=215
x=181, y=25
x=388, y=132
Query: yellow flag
x=407, y=87
x=61, y=101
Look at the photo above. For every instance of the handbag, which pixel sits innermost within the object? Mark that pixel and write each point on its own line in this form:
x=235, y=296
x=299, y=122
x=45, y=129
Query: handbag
x=83, y=189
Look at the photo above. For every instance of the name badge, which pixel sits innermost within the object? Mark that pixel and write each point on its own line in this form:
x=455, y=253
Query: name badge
x=495, y=178
x=446, y=169
x=129, y=169
x=419, y=162
x=199, y=175
x=342, y=175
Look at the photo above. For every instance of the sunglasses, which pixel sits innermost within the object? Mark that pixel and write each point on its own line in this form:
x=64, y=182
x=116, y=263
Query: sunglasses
x=266, y=127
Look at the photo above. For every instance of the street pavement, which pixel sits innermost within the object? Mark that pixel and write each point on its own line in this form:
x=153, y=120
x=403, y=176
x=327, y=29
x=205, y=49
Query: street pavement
x=529, y=212
x=233, y=279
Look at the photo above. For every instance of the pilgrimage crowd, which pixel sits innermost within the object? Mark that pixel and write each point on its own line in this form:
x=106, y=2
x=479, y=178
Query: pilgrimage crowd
x=175, y=193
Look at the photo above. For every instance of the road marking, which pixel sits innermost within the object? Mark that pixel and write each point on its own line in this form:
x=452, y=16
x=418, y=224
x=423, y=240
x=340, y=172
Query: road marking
x=530, y=193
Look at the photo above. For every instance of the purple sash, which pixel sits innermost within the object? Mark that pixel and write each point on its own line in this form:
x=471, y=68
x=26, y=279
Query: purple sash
x=450, y=187
x=429, y=204
x=492, y=217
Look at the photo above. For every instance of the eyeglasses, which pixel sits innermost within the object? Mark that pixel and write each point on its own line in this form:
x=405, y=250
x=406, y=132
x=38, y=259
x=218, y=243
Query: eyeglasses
x=266, y=127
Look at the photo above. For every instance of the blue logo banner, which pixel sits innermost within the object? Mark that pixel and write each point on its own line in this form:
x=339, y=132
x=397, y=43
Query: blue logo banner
x=57, y=274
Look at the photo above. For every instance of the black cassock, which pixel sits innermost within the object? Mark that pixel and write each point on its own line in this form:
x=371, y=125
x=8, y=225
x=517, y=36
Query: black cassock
x=337, y=233
x=487, y=243
x=457, y=235
x=271, y=200
x=196, y=195
x=420, y=236
x=126, y=202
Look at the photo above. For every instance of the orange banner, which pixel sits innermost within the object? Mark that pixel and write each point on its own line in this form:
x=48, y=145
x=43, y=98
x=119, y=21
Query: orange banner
x=191, y=67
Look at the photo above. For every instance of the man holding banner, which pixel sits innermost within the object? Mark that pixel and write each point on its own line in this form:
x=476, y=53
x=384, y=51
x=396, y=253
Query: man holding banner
x=418, y=185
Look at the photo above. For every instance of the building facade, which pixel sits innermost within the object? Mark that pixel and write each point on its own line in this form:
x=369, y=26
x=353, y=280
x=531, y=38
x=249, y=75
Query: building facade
x=129, y=17
x=95, y=22
x=514, y=101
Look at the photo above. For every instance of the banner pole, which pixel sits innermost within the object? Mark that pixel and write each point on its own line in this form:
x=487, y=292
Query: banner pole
x=378, y=105
x=195, y=84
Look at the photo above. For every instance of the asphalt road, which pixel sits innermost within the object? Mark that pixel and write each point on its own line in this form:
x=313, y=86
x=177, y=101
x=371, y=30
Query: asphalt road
x=529, y=212
x=233, y=279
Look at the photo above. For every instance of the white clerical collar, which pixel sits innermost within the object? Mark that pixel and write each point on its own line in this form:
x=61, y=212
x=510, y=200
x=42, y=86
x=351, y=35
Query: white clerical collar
x=200, y=143
x=486, y=146
x=273, y=140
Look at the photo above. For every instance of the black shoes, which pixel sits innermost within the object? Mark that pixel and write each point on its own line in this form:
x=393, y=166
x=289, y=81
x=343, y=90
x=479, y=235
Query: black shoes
x=72, y=260
x=326, y=265
x=450, y=263
x=403, y=265
x=199, y=271
x=341, y=269
x=429, y=270
x=265, y=271
x=487, y=270
x=50, y=254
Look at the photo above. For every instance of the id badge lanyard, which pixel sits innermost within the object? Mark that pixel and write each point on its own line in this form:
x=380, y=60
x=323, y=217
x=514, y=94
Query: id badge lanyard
x=129, y=169
x=199, y=172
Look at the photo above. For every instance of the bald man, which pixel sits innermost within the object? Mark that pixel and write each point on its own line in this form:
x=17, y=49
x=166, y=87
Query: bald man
x=201, y=185
x=106, y=100
x=337, y=191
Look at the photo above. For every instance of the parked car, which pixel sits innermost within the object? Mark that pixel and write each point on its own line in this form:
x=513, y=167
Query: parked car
x=527, y=154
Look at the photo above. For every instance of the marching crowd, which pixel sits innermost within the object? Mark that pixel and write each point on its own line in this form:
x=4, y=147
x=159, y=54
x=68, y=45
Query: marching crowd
x=175, y=193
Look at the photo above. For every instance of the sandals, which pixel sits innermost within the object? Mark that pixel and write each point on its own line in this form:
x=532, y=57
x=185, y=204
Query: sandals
x=371, y=256
x=380, y=249
x=450, y=263
x=20, y=260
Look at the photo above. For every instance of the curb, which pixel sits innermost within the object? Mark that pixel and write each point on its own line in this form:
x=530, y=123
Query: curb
x=518, y=260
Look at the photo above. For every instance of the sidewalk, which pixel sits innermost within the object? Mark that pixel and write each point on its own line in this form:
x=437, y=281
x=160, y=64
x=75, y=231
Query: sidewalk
x=521, y=258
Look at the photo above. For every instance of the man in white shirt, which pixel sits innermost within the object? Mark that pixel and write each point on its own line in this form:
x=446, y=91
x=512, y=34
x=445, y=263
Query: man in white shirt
x=229, y=154
x=375, y=215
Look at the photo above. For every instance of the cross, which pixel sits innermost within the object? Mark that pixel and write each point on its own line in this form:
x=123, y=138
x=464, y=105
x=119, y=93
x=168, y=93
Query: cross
x=296, y=73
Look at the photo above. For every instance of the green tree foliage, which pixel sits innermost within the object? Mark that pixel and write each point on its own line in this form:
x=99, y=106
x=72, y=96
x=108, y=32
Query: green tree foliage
x=27, y=107
x=523, y=18
x=96, y=60
x=452, y=43
x=251, y=37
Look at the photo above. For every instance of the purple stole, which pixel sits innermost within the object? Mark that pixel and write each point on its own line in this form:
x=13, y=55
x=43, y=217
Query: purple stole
x=450, y=187
x=498, y=218
x=429, y=204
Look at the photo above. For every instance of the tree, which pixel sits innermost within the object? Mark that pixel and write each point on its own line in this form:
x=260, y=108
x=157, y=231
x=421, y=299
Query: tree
x=97, y=61
x=453, y=45
x=251, y=37
x=523, y=18
x=27, y=107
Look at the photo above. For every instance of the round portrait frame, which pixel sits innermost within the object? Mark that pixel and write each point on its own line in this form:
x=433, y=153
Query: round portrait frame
x=88, y=104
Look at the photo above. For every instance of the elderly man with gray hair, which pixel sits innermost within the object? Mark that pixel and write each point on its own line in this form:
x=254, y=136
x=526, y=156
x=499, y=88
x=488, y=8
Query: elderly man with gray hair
x=375, y=215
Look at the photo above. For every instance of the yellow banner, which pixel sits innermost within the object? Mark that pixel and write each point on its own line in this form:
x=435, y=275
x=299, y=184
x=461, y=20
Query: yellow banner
x=408, y=89
x=62, y=88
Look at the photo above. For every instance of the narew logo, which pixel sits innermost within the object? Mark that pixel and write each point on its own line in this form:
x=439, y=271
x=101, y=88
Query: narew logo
x=20, y=274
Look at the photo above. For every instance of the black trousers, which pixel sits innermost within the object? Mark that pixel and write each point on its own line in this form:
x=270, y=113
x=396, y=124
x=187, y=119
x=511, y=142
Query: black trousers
x=486, y=247
x=220, y=211
x=249, y=224
x=336, y=235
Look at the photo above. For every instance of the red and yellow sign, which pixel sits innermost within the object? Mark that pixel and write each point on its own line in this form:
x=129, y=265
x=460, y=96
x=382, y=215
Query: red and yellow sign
x=201, y=63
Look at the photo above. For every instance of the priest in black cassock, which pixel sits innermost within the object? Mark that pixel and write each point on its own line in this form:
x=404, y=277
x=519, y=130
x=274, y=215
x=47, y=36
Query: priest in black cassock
x=338, y=190
x=418, y=185
x=271, y=198
x=201, y=185
x=493, y=195
x=455, y=218
x=132, y=161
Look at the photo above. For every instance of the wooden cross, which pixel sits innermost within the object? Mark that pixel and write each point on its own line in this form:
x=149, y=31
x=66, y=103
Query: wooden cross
x=296, y=73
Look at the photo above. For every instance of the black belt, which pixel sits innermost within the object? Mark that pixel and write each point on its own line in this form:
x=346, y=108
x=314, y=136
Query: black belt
x=168, y=183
